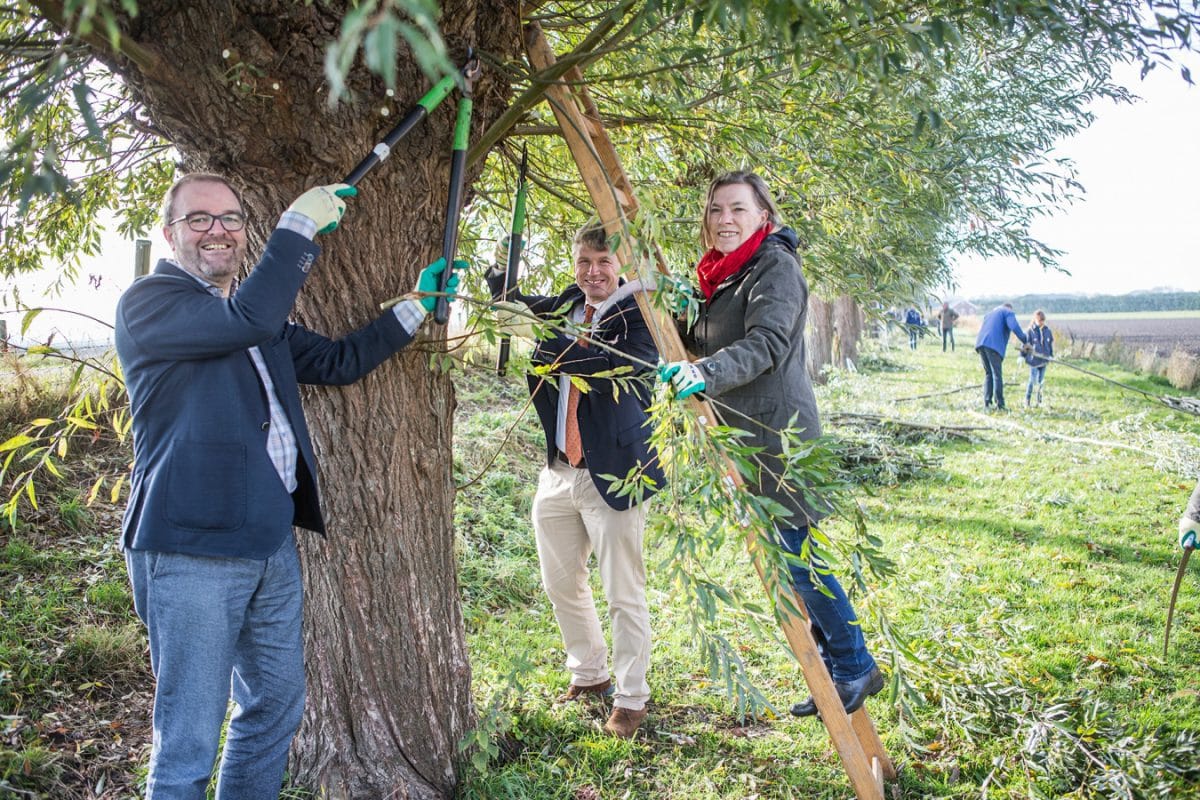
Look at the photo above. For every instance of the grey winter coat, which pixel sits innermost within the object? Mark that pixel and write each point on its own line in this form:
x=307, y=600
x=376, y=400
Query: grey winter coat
x=750, y=341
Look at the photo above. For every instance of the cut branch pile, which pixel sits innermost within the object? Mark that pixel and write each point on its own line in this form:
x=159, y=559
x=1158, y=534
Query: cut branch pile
x=903, y=430
x=875, y=449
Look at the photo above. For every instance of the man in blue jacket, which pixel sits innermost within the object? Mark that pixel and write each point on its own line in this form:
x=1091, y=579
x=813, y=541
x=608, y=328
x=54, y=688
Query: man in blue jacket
x=992, y=344
x=223, y=468
x=577, y=510
x=915, y=326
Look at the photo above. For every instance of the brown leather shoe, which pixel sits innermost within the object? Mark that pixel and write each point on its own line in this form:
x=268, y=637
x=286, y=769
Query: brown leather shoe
x=624, y=722
x=576, y=692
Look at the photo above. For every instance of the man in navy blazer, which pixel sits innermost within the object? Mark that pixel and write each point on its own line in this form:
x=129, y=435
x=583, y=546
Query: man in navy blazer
x=992, y=343
x=223, y=468
x=576, y=510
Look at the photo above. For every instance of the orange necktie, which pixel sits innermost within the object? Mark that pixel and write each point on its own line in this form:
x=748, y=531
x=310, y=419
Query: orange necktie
x=572, y=440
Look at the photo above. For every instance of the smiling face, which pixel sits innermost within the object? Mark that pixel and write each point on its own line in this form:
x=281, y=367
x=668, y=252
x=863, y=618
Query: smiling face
x=733, y=216
x=595, y=272
x=216, y=254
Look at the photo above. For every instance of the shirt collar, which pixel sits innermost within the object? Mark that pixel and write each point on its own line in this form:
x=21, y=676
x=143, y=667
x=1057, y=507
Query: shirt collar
x=211, y=288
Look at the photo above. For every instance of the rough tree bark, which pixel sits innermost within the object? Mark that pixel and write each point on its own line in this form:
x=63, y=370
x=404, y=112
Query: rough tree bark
x=848, y=326
x=238, y=87
x=820, y=337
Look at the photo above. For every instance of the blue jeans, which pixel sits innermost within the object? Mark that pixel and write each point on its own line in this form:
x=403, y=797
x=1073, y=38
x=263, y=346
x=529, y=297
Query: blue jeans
x=1037, y=376
x=912, y=337
x=221, y=626
x=834, y=625
x=993, y=376
x=948, y=333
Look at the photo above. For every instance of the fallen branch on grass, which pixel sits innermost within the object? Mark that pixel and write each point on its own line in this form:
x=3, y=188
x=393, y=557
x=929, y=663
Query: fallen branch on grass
x=906, y=429
x=975, y=386
x=1061, y=437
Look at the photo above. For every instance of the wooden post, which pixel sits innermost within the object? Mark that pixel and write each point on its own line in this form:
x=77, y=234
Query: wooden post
x=141, y=258
x=857, y=743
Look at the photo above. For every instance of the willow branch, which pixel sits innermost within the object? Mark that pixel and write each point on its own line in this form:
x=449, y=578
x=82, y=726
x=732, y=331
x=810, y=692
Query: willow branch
x=146, y=60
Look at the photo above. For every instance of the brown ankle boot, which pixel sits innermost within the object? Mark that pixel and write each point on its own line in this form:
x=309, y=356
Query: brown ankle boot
x=624, y=722
x=577, y=692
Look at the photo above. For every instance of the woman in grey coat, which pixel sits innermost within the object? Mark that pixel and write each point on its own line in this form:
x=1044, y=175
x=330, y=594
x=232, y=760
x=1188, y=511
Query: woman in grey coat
x=749, y=336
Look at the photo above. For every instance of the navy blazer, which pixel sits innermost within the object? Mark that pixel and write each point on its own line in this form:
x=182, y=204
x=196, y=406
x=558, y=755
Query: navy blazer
x=997, y=324
x=614, y=433
x=203, y=482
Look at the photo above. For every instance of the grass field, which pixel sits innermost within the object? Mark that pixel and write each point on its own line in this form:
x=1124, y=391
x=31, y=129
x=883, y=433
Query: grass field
x=1032, y=563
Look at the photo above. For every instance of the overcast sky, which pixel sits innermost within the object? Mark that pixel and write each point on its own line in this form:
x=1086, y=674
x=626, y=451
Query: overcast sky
x=1138, y=226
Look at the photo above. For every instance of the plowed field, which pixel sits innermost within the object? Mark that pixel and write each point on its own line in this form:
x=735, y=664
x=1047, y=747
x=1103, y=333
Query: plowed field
x=1163, y=334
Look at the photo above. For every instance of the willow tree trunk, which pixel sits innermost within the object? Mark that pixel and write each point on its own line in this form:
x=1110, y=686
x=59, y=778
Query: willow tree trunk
x=820, y=337
x=848, y=323
x=237, y=86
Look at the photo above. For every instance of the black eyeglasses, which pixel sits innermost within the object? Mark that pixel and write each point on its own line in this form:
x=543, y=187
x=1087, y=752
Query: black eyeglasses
x=200, y=222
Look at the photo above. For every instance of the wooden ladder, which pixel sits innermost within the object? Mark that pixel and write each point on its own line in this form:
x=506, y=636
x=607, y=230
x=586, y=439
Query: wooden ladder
x=854, y=736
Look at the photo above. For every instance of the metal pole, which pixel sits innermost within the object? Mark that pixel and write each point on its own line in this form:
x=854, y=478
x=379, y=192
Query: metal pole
x=515, y=240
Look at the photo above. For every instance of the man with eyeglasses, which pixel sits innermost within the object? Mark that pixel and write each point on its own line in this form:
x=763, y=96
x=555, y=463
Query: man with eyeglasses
x=223, y=468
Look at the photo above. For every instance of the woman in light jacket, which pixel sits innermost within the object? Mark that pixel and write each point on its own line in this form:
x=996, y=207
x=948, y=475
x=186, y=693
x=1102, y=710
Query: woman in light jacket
x=1041, y=339
x=749, y=335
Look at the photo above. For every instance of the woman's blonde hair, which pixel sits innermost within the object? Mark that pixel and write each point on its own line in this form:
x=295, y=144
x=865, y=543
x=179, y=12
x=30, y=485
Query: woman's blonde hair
x=762, y=197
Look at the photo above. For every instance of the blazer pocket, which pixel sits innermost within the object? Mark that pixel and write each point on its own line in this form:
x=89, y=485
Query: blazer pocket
x=206, y=486
x=637, y=433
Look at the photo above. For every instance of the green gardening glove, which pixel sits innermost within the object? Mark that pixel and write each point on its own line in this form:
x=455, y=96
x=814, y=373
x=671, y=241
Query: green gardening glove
x=1189, y=533
x=427, y=283
x=324, y=205
x=684, y=376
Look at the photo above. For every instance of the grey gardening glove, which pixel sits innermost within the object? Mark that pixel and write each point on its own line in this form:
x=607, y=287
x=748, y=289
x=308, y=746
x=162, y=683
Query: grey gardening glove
x=512, y=320
x=323, y=205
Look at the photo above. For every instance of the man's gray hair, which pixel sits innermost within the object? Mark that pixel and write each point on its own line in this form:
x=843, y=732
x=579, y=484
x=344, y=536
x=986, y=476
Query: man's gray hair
x=168, y=206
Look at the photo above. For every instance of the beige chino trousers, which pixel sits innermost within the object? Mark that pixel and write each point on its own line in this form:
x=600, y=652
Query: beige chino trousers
x=571, y=521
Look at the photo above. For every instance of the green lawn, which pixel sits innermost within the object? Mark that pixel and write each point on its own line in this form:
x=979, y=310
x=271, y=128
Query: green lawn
x=1032, y=569
x=1026, y=607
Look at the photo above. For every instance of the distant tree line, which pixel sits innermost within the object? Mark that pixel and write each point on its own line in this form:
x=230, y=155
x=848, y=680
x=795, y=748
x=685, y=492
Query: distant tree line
x=1075, y=303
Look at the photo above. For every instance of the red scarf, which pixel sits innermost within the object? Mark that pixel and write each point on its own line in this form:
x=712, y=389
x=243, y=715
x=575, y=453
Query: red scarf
x=717, y=267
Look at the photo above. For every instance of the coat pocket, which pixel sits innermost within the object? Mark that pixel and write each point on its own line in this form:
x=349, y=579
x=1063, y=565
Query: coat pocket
x=206, y=486
x=758, y=415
